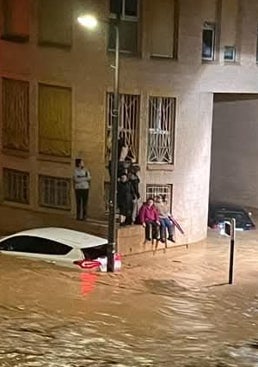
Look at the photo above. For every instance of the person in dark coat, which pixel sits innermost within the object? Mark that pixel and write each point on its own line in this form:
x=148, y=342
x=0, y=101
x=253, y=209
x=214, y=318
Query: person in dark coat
x=135, y=181
x=122, y=153
x=125, y=197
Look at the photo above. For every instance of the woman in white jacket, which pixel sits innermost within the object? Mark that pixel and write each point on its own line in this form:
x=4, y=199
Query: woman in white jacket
x=82, y=179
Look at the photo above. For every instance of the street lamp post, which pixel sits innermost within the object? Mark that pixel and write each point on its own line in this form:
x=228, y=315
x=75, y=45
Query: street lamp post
x=91, y=22
x=112, y=231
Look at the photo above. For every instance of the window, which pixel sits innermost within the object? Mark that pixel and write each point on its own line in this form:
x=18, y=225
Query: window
x=208, y=41
x=55, y=22
x=229, y=53
x=127, y=11
x=16, y=20
x=55, y=120
x=34, y=245
x=163, y=190
x=161, y=130
x=15, y=102
x=129, y=114
x=16, y=186
x=54, y=192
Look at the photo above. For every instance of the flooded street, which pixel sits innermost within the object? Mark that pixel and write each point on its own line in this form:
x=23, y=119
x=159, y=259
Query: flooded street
x=170, y=309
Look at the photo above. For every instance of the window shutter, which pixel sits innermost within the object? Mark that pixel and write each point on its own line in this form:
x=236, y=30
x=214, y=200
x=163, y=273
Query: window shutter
x=229, y=15
x=55, y=22
x=15, y=101
x=16, y=19
x=55, y=120
x=162, y=18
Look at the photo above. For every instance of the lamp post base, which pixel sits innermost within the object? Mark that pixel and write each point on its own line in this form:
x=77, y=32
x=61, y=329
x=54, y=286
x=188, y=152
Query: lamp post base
x=110, y=257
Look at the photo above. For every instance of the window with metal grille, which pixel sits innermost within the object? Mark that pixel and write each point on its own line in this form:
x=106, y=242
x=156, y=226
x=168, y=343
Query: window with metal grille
x=16, y=185
x=208, y=41
x=55, y=192
x=128, y=11
x=129, y=113
x=164, y=190
x=161, y=130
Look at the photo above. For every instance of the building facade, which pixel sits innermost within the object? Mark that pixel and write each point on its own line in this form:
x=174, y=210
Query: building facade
x=57, y=95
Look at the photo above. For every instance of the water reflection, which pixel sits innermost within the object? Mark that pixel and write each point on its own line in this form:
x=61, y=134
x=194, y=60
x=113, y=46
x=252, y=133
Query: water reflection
x=88, y=283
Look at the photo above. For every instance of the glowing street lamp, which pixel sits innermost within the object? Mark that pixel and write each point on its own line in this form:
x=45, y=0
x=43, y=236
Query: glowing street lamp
x=90, y=22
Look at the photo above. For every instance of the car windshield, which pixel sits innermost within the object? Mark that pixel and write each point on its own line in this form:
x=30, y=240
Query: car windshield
x=95, y=252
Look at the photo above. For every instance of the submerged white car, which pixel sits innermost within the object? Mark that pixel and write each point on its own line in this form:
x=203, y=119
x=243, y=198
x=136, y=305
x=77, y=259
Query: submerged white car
x=60, y=246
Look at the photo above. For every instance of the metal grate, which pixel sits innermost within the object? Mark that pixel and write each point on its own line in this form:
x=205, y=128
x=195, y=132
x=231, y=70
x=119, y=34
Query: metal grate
x=164, y=190
x=16, y=186
x=55, y=192
x=129, y=114
x=161, y=130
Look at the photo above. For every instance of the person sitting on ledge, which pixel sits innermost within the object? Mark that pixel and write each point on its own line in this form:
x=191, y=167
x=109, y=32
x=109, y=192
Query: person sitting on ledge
x=149, y=218
x=164, y=219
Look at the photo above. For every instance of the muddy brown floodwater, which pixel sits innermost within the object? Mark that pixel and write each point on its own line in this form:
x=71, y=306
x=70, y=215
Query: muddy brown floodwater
x=170, y=309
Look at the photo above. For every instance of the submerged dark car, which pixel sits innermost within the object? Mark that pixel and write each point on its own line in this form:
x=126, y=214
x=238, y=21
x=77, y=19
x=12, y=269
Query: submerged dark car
x=222, y=212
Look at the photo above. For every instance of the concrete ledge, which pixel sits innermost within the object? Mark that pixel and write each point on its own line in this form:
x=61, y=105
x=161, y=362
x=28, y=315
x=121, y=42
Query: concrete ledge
x=130, y=239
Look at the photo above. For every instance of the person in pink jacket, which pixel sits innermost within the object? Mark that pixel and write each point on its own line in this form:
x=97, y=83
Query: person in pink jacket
x=149, y=218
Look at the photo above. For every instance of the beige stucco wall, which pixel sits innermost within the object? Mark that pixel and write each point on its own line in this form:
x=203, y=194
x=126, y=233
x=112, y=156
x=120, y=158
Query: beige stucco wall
x=86, y=68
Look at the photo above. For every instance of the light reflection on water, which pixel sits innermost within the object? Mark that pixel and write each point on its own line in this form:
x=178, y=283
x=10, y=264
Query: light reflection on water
x=51, y=317
x=88, y=283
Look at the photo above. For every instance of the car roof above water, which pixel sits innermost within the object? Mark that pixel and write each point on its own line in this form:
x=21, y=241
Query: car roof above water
x=226, y=206
x=66, y=236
